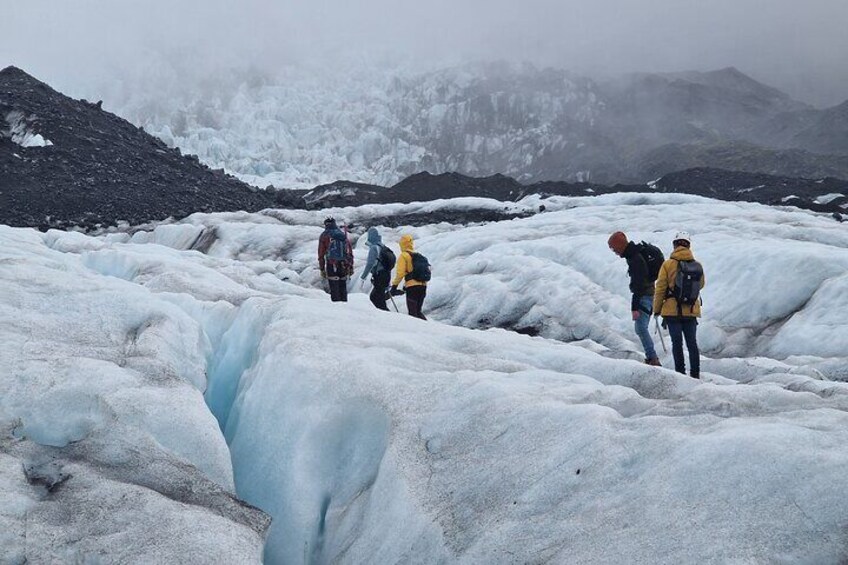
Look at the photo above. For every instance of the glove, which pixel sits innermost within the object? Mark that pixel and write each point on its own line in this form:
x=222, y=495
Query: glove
x=395, y=291
x=323, y=274
x=635, y=314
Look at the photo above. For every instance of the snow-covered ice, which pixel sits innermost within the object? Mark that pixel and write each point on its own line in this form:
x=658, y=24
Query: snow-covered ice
x=18, y=130
x=375, y=437
x=828, y=198
x=108, y=452
x=309, y=126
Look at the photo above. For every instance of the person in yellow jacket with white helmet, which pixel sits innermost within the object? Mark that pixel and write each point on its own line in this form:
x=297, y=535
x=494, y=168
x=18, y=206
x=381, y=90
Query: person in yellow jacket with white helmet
x=414, y=269
x=677, y=299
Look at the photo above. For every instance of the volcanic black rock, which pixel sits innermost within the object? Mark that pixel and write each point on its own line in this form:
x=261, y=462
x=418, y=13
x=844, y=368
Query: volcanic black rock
x=90, y=167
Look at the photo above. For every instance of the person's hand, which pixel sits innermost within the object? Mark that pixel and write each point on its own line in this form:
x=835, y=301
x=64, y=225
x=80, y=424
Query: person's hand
x=395, y=291
x=323, y=274
x=635, y=314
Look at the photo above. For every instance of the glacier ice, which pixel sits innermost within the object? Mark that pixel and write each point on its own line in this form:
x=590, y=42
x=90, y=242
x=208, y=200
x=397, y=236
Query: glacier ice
x=375, y=437
x=109, y=452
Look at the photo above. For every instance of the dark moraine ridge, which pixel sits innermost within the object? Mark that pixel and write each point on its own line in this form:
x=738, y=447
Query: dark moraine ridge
x=100, y=168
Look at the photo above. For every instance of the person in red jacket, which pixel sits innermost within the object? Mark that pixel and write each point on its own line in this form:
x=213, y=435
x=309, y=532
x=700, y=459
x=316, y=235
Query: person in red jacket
x=335, y=259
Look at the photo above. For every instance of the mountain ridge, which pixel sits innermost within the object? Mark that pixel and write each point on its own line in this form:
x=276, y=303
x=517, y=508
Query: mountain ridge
x=67, y=163
x=92, y=166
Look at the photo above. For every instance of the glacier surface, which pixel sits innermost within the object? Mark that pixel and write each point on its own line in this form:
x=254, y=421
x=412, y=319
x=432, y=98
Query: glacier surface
x=374, y=437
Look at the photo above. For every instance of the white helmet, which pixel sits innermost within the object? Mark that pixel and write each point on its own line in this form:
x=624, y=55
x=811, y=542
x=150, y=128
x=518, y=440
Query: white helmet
x=683, y=236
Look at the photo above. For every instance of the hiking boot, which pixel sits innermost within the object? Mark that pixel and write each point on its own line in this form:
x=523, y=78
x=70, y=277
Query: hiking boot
x=695, y=376
x=655, y=362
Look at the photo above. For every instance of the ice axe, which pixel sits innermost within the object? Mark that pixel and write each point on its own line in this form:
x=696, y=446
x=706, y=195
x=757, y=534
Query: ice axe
x=659, y=333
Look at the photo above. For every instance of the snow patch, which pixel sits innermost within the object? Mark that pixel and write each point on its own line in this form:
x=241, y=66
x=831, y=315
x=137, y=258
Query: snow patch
x=20, y=132
x=828, y=198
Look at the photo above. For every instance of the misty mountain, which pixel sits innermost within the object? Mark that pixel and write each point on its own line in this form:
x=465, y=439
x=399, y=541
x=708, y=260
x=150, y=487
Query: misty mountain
x=69, y=163
x=825, y=131
x=66, y=162
x=532, y=124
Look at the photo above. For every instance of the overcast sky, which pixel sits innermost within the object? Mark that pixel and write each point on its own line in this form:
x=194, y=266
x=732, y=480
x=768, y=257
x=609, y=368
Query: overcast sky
x=800, y=46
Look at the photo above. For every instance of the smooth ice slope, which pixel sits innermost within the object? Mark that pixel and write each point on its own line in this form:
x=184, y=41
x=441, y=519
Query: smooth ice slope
x=375, y=437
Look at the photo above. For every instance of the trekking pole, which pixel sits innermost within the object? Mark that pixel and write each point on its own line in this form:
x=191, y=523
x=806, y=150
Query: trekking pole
x=659, y=333
x=392, y=298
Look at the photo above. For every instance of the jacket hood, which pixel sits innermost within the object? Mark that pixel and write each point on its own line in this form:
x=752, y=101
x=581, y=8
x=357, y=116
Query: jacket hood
x=682, y=254
x=374, y=237
x=630, y=250
x=406, y=243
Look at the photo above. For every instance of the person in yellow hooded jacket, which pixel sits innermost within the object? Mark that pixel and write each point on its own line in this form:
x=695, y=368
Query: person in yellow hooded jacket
x=415, y=290
x=680, y=318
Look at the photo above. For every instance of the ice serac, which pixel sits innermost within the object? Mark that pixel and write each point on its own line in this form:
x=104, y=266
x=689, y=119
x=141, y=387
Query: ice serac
x=306, y=127
x=107, y=450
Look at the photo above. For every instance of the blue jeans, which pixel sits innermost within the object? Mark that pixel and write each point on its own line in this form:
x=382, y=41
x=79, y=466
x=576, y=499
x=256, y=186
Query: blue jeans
x=641, y=324
x=678, y=328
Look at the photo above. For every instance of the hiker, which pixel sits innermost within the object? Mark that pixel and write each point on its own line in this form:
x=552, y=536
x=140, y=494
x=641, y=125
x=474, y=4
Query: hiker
x=414, y=269
x=677, y=299
x=643, y=263
x=379, y=265
x=335, y=259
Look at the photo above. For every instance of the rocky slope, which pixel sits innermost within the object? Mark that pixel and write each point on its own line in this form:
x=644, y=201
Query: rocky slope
x=67, y=162
x=822, y=195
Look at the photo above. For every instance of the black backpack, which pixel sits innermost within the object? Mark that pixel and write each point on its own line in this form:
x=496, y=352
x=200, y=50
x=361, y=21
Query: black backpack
x=653, y=257
x=385, y=260
x=420, y=268
x=687, y=283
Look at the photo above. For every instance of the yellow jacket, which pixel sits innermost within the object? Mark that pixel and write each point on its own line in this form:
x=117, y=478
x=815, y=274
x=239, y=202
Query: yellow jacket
x=667, y=306
x=404, y=263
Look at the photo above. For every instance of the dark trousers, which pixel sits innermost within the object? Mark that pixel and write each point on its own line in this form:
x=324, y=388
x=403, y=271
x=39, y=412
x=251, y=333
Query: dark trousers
x=678, y=329
x=415, y=300
x=337, y=279
x=381, y=287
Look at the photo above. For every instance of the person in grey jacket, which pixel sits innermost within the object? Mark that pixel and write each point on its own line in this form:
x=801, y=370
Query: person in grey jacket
x=380, y=276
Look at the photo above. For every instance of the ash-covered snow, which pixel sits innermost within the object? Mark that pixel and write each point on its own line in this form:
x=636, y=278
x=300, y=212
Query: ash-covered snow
x=373, y=437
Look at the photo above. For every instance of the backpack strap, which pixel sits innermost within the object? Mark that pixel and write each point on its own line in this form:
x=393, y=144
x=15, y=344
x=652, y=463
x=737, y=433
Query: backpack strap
x=669, y=291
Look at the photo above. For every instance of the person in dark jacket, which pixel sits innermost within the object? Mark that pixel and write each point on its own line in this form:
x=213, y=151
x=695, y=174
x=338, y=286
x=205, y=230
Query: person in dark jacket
x=380, y=277
x=335, y=259
x=642, y=290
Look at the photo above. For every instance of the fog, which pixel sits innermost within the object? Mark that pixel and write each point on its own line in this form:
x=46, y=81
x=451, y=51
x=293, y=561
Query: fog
x=799, y=47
